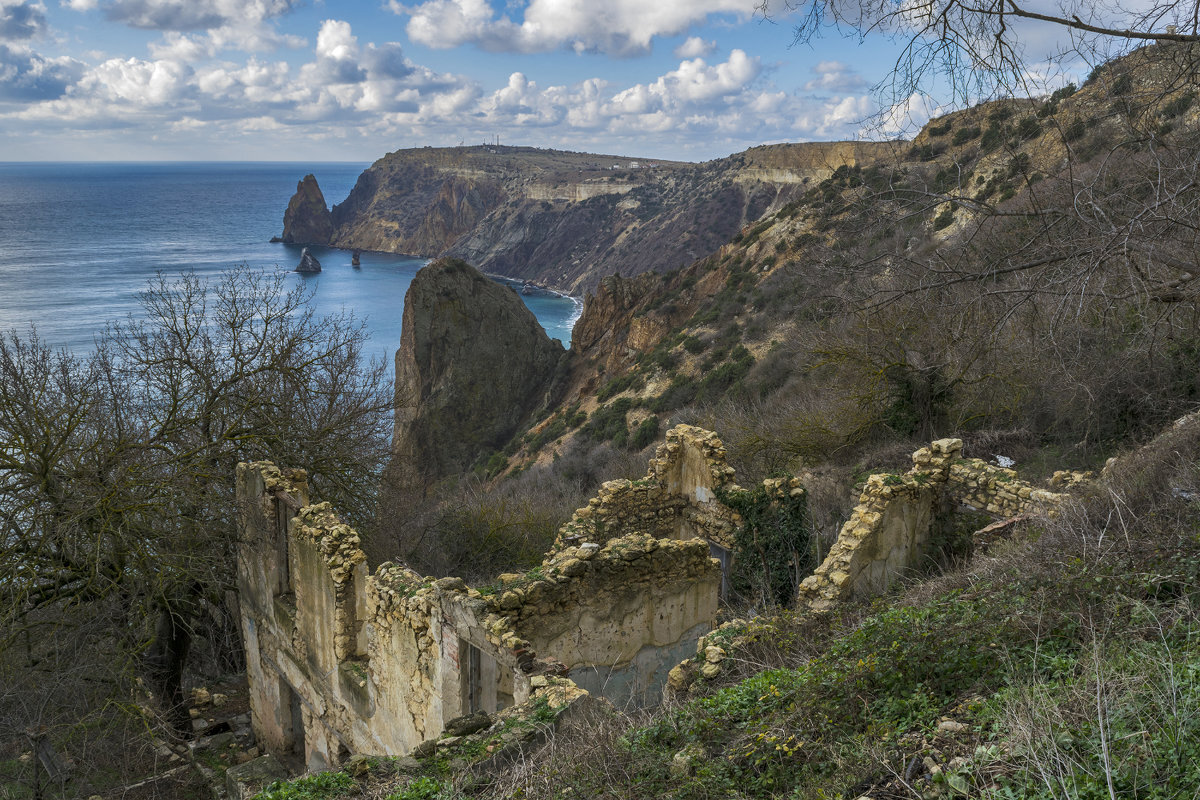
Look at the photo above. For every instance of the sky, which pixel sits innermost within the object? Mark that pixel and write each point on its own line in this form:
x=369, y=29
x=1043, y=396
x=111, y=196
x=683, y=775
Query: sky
x=339, y=80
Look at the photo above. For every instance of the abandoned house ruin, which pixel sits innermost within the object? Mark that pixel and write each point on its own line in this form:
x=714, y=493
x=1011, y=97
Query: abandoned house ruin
x=342, y=661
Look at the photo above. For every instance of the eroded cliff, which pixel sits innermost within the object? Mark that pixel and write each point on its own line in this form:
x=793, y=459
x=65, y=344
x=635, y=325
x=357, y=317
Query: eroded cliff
x=569, y=219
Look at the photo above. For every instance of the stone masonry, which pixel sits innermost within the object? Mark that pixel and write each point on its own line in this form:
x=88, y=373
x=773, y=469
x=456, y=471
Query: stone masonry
x=889, y=530
x=342, y=661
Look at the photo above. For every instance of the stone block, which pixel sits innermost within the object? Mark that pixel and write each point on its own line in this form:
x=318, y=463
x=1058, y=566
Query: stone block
x=246, y=780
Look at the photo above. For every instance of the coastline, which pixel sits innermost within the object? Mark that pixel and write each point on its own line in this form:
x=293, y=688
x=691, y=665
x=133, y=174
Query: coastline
x=516, y=283
x=493, y=275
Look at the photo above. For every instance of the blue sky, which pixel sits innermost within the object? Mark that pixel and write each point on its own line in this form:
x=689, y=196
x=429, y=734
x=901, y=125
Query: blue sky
x=349, y=81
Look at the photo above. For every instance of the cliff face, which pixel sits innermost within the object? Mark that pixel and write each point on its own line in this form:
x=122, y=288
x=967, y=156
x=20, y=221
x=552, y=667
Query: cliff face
x=473, y=364
x=569, y=219
x=307, y=219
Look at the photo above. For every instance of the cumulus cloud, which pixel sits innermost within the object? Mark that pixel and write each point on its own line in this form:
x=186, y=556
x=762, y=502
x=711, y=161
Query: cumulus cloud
x=834, y=76
x=694, y=47
x=196, y=29
x=618, y=27
x=351, y=88
x=21, y=20
x=26, y=76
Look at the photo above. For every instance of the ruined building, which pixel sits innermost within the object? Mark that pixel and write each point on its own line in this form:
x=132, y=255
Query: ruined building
x=343, y=661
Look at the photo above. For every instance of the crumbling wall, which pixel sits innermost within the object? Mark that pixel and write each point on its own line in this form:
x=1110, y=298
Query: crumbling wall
x=677, y=498
x=341, y=661
x=423, y=632
x=980, y=486
x=267, y=499
x=618, y=617
x=889, y=531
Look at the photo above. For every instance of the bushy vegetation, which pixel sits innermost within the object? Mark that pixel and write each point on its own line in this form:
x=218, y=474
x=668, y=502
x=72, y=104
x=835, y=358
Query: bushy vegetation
x=1065, y=664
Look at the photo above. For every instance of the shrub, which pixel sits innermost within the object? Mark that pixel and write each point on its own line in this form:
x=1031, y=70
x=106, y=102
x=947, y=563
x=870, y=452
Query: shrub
x=1028, y=128
x=964, y=135
x=607, y=423
x=645, y=434
x=992, y=138
x=619, y=384
x=680, y=392
x=322, y=786
x=945, y=218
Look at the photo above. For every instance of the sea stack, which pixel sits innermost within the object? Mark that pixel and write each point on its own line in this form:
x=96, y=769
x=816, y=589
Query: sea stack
x=354, y=262
x=308, y=263
x=473, y=365
x=307, y=219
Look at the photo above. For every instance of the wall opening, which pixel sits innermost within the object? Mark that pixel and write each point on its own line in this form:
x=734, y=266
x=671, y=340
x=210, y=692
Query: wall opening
x=283, y=573
x=474, y=680
x=484, y=687
x=292, y=723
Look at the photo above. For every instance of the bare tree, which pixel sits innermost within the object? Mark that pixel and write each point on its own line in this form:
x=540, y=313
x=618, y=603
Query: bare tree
x=116, y=469
x=977, y=49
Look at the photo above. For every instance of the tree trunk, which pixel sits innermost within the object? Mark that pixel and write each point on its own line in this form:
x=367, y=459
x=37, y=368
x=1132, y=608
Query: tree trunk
x=166, y=661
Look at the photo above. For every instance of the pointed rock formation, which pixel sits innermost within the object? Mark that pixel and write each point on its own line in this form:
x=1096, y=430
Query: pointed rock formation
x=473, y=364
x=307, y=219
x=308, y=262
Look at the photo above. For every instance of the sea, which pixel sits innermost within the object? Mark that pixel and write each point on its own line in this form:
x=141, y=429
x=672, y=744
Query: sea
x=79, y=241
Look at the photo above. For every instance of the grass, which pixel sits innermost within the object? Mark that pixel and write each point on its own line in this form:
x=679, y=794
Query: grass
x=321, y=786
x=1065, y=664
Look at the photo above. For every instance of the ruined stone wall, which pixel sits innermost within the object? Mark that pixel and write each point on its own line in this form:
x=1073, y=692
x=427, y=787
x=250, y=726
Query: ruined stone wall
x=980, y=486
x=889, y=531
x=341, y=661
x=618, y=617
x=676, y=499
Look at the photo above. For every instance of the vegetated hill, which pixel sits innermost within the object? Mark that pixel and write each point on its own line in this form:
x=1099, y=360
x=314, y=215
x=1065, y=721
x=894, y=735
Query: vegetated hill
x=568, y=219
x=1023, y=265
x=1063, y=661
x=1022, y=273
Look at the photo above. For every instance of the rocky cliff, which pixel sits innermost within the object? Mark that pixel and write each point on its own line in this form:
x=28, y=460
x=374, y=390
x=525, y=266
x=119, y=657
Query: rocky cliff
x=473, y=364
x=569, y=219
x=307, y=219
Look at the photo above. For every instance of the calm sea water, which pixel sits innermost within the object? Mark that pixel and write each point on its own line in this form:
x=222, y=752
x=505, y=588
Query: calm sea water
x=79, y=241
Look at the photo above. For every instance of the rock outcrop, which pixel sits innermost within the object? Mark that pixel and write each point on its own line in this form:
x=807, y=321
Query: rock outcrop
x=308, y=263
x=473, y=364
x=307, y=219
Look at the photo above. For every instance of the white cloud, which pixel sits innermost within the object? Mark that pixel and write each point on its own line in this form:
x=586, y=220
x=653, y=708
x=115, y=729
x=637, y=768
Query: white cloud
x=619, y=27
x=906, y=116
x=834, y=76
x=26, y=76
x=351, y=89
x=694, y=47
x=137, y=82
x=190, y=15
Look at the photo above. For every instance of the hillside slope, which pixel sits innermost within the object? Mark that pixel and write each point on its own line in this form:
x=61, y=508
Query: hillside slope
x=1022, y=265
